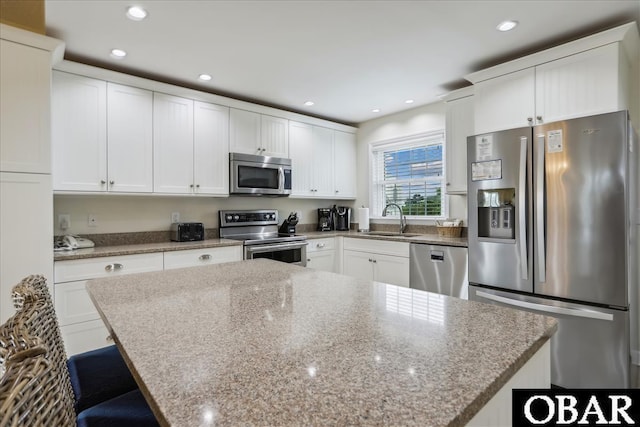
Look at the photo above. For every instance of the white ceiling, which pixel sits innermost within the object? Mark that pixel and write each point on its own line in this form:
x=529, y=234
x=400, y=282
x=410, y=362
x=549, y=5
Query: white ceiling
x=349, y=57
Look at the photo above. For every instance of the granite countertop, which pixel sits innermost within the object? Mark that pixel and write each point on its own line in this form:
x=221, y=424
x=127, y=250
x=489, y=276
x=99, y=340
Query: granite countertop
x=431, y=239
x=143, y=248
x=265, y=343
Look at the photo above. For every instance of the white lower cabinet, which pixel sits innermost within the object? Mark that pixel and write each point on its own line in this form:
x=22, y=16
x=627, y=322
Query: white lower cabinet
x=80, y=323
x=321, y=254
x=196, y=257
x=379, y=260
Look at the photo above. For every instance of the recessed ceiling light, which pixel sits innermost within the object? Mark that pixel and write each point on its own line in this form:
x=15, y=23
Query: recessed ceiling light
x=136, y=13
x=118, y=53
x=409, y=101
x=309, y=103
x=506, y=25
x=375, y=110
x=204, y=77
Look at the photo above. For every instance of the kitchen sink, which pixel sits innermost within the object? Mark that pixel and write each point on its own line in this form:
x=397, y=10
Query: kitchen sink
x=390, y=234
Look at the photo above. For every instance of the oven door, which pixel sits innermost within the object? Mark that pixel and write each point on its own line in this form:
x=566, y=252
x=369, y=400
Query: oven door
x=292, y=253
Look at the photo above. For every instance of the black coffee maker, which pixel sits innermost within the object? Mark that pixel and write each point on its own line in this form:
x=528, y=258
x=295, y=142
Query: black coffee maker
x=325, y=219
x=289, y=225
x=341, y=218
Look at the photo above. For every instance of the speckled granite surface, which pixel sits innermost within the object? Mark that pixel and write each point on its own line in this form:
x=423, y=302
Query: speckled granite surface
x=431, y=239
x=103, y=251
x=265, y=343
x=130, y=249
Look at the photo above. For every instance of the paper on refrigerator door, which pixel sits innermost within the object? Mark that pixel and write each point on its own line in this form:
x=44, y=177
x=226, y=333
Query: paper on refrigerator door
x=491, y=169
x=484, y=147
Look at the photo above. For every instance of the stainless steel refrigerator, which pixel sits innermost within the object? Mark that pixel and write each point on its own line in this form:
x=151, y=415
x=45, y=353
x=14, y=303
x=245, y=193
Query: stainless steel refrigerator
x=552, y=231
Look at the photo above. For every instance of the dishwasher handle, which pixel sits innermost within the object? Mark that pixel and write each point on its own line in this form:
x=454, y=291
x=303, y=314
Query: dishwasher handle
x=437, y=256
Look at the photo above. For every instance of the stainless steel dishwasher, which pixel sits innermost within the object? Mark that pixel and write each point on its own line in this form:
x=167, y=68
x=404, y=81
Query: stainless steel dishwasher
x=439, y=269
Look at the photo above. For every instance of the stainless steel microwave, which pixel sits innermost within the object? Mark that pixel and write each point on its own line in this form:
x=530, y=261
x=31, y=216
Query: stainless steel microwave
x=259, y=175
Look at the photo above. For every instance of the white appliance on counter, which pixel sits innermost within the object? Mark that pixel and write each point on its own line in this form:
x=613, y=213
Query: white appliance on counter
x=552, y=231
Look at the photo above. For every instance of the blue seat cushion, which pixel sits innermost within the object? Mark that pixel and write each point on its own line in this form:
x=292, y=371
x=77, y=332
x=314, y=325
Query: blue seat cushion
x=99, y=375
x=127, y=410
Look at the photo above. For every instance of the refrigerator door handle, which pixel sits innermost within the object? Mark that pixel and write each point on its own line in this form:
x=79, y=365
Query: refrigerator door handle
x=540, y=208
x=522, y=217
x=591, y=314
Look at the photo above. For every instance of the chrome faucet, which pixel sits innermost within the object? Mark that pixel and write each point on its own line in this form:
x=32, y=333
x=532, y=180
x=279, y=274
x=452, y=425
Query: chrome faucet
x=403, y=218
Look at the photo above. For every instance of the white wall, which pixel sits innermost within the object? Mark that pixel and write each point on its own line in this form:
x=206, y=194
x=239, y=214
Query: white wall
x=124, y=214
x=422, y=119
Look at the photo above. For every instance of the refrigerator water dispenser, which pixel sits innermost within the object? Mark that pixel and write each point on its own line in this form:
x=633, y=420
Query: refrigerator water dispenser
x=496, y=213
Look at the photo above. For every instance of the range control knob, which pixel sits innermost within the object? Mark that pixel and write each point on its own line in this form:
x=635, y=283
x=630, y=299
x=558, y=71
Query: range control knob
x=228, y=217
x=236, y=217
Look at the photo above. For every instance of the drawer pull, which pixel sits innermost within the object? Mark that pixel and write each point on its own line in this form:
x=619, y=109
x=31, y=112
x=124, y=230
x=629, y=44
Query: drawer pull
x=320, y=245
x=205, y=257
x=114, y=267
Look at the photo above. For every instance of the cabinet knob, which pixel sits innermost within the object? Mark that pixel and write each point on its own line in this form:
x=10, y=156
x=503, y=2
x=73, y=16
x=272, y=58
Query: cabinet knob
x=191, y=186
x=308, y=259
x=113, y=267
x=448, y=183
x=370, y=260
x=539, y=118
x=337, y=191
x=197, y=185
x=530, y=119
x=320, y=245
x=112, y=182
x=205, y=257
x=374, y=261
x=103, y=182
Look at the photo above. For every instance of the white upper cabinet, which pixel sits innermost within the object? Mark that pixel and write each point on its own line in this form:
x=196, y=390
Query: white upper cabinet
x=459, y=126
x=323, y=182
x=344, y=149
x=589, y=82
x=584, y=84
x=244, y=132
x=301, y=151
x=129, y=139
x=102, y=136
x=25, y=78
x=274, y=136
x=211, y=149
x=254, y=133
x=173, y=144
x=312, y=158
x=505, y=102
x=79, y=133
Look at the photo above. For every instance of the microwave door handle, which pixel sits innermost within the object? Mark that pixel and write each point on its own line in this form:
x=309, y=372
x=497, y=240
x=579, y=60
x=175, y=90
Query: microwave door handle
x=540, y=209
x=280, y=179
x=522, y=215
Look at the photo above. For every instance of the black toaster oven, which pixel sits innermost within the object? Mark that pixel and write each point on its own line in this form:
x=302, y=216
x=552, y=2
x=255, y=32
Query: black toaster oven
x=187, y=231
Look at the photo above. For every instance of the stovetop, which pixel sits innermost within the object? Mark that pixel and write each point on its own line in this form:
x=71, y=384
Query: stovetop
x=254, y=227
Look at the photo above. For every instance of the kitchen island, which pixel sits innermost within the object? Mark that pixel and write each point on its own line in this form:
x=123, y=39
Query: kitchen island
x=266, y=343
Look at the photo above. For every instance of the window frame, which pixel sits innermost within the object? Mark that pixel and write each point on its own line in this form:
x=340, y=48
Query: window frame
x=406, y=142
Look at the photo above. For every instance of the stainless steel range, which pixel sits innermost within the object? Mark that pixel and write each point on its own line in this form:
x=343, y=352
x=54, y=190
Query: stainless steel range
x=258, y=229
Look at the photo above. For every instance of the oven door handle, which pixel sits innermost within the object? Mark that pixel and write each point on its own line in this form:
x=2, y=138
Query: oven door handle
x=280, y=246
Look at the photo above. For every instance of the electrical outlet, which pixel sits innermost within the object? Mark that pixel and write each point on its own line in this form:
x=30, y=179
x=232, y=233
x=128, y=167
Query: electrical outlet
x=175, y=217
x=64, y=221
x=92, y=220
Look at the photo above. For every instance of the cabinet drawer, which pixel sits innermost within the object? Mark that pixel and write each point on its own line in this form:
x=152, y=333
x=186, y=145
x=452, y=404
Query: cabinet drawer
x=195, y=257
x=72, y=303
x=85, y=336
x=377, y=246
x=82, y=269
x=324, y=244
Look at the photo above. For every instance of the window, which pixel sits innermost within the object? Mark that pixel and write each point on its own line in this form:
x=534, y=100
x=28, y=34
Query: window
x=409, y=172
